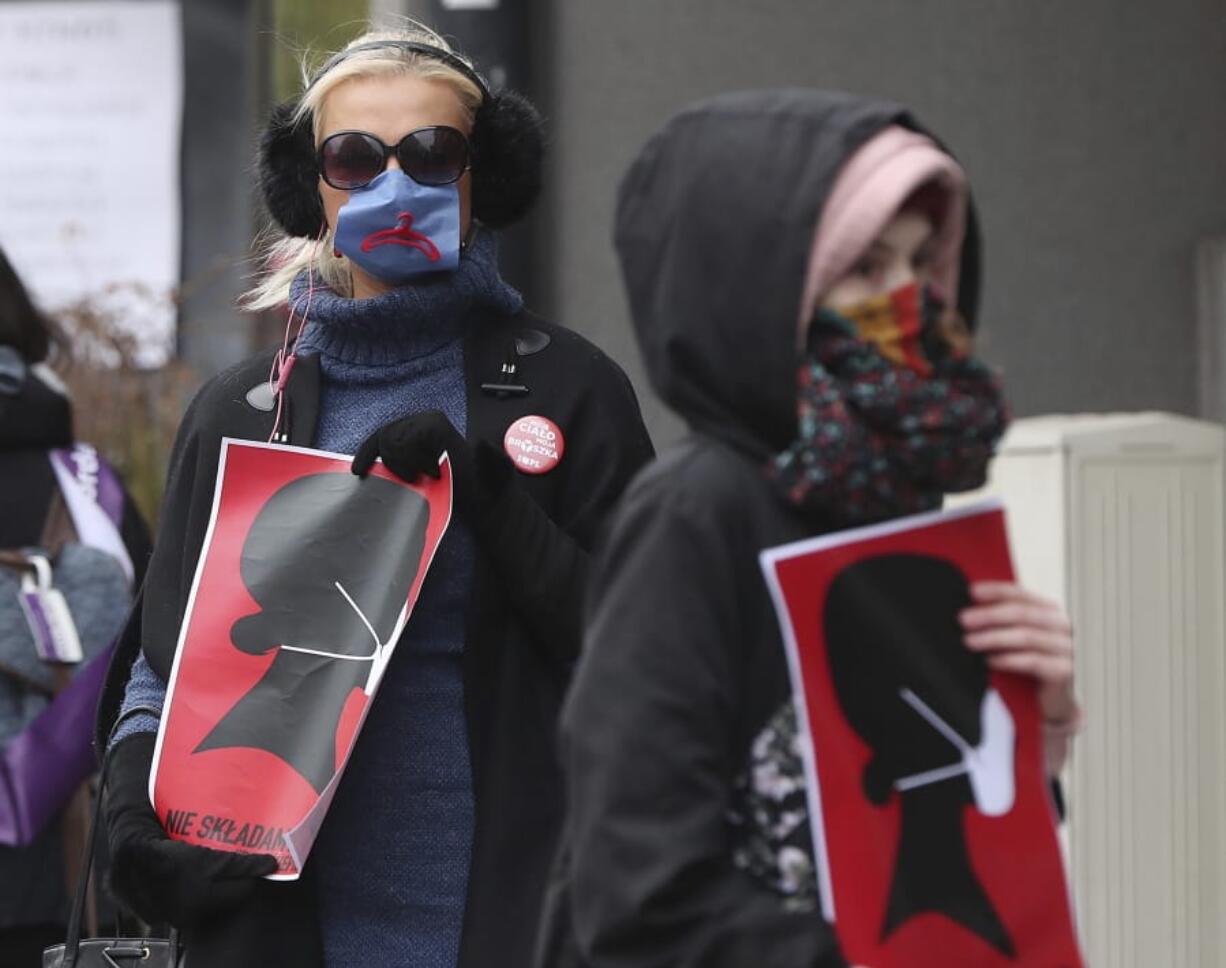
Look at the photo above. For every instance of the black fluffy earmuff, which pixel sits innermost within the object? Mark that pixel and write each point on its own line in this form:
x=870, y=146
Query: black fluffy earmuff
x=508, y=145
x=507, y=150
x=289, y=177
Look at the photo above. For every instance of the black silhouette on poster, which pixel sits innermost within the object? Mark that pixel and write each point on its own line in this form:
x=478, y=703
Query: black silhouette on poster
x=328, y=559
x=940, y=736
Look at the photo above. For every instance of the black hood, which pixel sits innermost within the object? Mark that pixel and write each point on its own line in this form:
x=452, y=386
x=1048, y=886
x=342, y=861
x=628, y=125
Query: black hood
x=715, y=219
x=33, y=413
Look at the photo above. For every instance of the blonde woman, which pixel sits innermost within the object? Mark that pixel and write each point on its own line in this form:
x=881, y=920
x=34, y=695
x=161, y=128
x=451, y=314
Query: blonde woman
x=387, y=178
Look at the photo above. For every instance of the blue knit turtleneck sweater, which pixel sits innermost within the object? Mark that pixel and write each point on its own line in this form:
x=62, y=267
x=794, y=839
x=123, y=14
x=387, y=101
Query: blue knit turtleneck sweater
x=392, y=858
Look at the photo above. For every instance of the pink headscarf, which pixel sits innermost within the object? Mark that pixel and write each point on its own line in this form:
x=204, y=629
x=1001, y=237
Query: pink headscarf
x=870, y=189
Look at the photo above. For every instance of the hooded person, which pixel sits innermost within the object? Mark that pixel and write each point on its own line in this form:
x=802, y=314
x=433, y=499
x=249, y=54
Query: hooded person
x=803, y=274
x=388, y=177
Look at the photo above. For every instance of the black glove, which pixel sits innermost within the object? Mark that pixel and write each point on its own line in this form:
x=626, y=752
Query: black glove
x=411, y=446
x=542, y=567
x=160, y=879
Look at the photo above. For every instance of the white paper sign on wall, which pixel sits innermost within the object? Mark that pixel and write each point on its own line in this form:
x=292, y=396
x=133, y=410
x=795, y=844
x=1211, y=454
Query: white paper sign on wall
x=91, y=99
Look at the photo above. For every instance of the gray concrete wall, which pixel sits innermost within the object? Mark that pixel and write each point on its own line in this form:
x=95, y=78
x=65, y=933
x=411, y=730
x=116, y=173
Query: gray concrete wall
x=1094, y=133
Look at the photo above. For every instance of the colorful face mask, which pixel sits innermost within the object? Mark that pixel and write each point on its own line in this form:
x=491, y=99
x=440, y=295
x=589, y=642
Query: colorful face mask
x=395, y=229
x=895, y=323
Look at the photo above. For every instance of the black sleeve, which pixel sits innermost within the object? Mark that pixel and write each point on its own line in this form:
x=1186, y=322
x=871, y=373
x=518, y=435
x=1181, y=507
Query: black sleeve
x=135, y=534
x=650, y=753
x=543, y=561
x=156, y=566
x=609, y=447
x=181, y=526
x=1057, y=798
x=162, y=574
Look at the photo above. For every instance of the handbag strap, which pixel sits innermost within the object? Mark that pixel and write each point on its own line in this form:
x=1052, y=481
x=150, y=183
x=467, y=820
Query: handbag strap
x=58, y=530
x=58, y=527
x=73, y=942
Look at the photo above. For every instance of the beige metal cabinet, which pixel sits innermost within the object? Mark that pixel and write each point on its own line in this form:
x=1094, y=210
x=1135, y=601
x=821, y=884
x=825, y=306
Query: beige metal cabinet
x=1120, y=517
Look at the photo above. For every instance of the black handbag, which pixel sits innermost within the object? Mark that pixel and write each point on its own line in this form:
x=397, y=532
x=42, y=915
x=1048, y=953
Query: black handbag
x=113, y=952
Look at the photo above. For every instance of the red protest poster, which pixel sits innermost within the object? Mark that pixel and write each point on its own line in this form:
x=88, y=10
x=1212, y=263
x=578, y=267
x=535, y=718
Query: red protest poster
x=306, y=578
x=933, y=825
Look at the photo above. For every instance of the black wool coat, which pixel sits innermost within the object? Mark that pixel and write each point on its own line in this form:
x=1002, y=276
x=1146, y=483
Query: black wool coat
x=523, y=621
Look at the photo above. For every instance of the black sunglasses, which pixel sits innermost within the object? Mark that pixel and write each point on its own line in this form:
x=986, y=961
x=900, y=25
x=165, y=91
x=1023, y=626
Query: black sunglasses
x=437, y=155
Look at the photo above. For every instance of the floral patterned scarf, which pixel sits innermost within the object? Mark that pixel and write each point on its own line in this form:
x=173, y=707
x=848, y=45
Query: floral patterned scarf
x=878, y=438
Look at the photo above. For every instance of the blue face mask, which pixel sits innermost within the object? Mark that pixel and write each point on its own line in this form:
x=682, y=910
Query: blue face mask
x=395, y=229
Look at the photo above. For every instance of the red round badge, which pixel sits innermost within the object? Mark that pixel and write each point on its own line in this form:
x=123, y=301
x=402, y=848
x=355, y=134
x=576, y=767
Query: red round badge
x=535, y=444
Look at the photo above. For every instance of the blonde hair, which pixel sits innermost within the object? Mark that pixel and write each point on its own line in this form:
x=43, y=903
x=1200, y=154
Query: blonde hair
x=285, y=256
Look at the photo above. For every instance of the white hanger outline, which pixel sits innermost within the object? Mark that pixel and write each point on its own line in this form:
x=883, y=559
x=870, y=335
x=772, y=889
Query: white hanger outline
x=337, y=655
x=941, y=773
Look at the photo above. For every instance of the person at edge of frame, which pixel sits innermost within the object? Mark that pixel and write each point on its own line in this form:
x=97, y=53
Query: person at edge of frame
x=799, y=230
x=36, y=422
x=437, y=846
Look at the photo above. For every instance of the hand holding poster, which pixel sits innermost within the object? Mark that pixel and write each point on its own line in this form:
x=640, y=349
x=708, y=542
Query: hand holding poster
x=933, y=827
x=305, y=581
